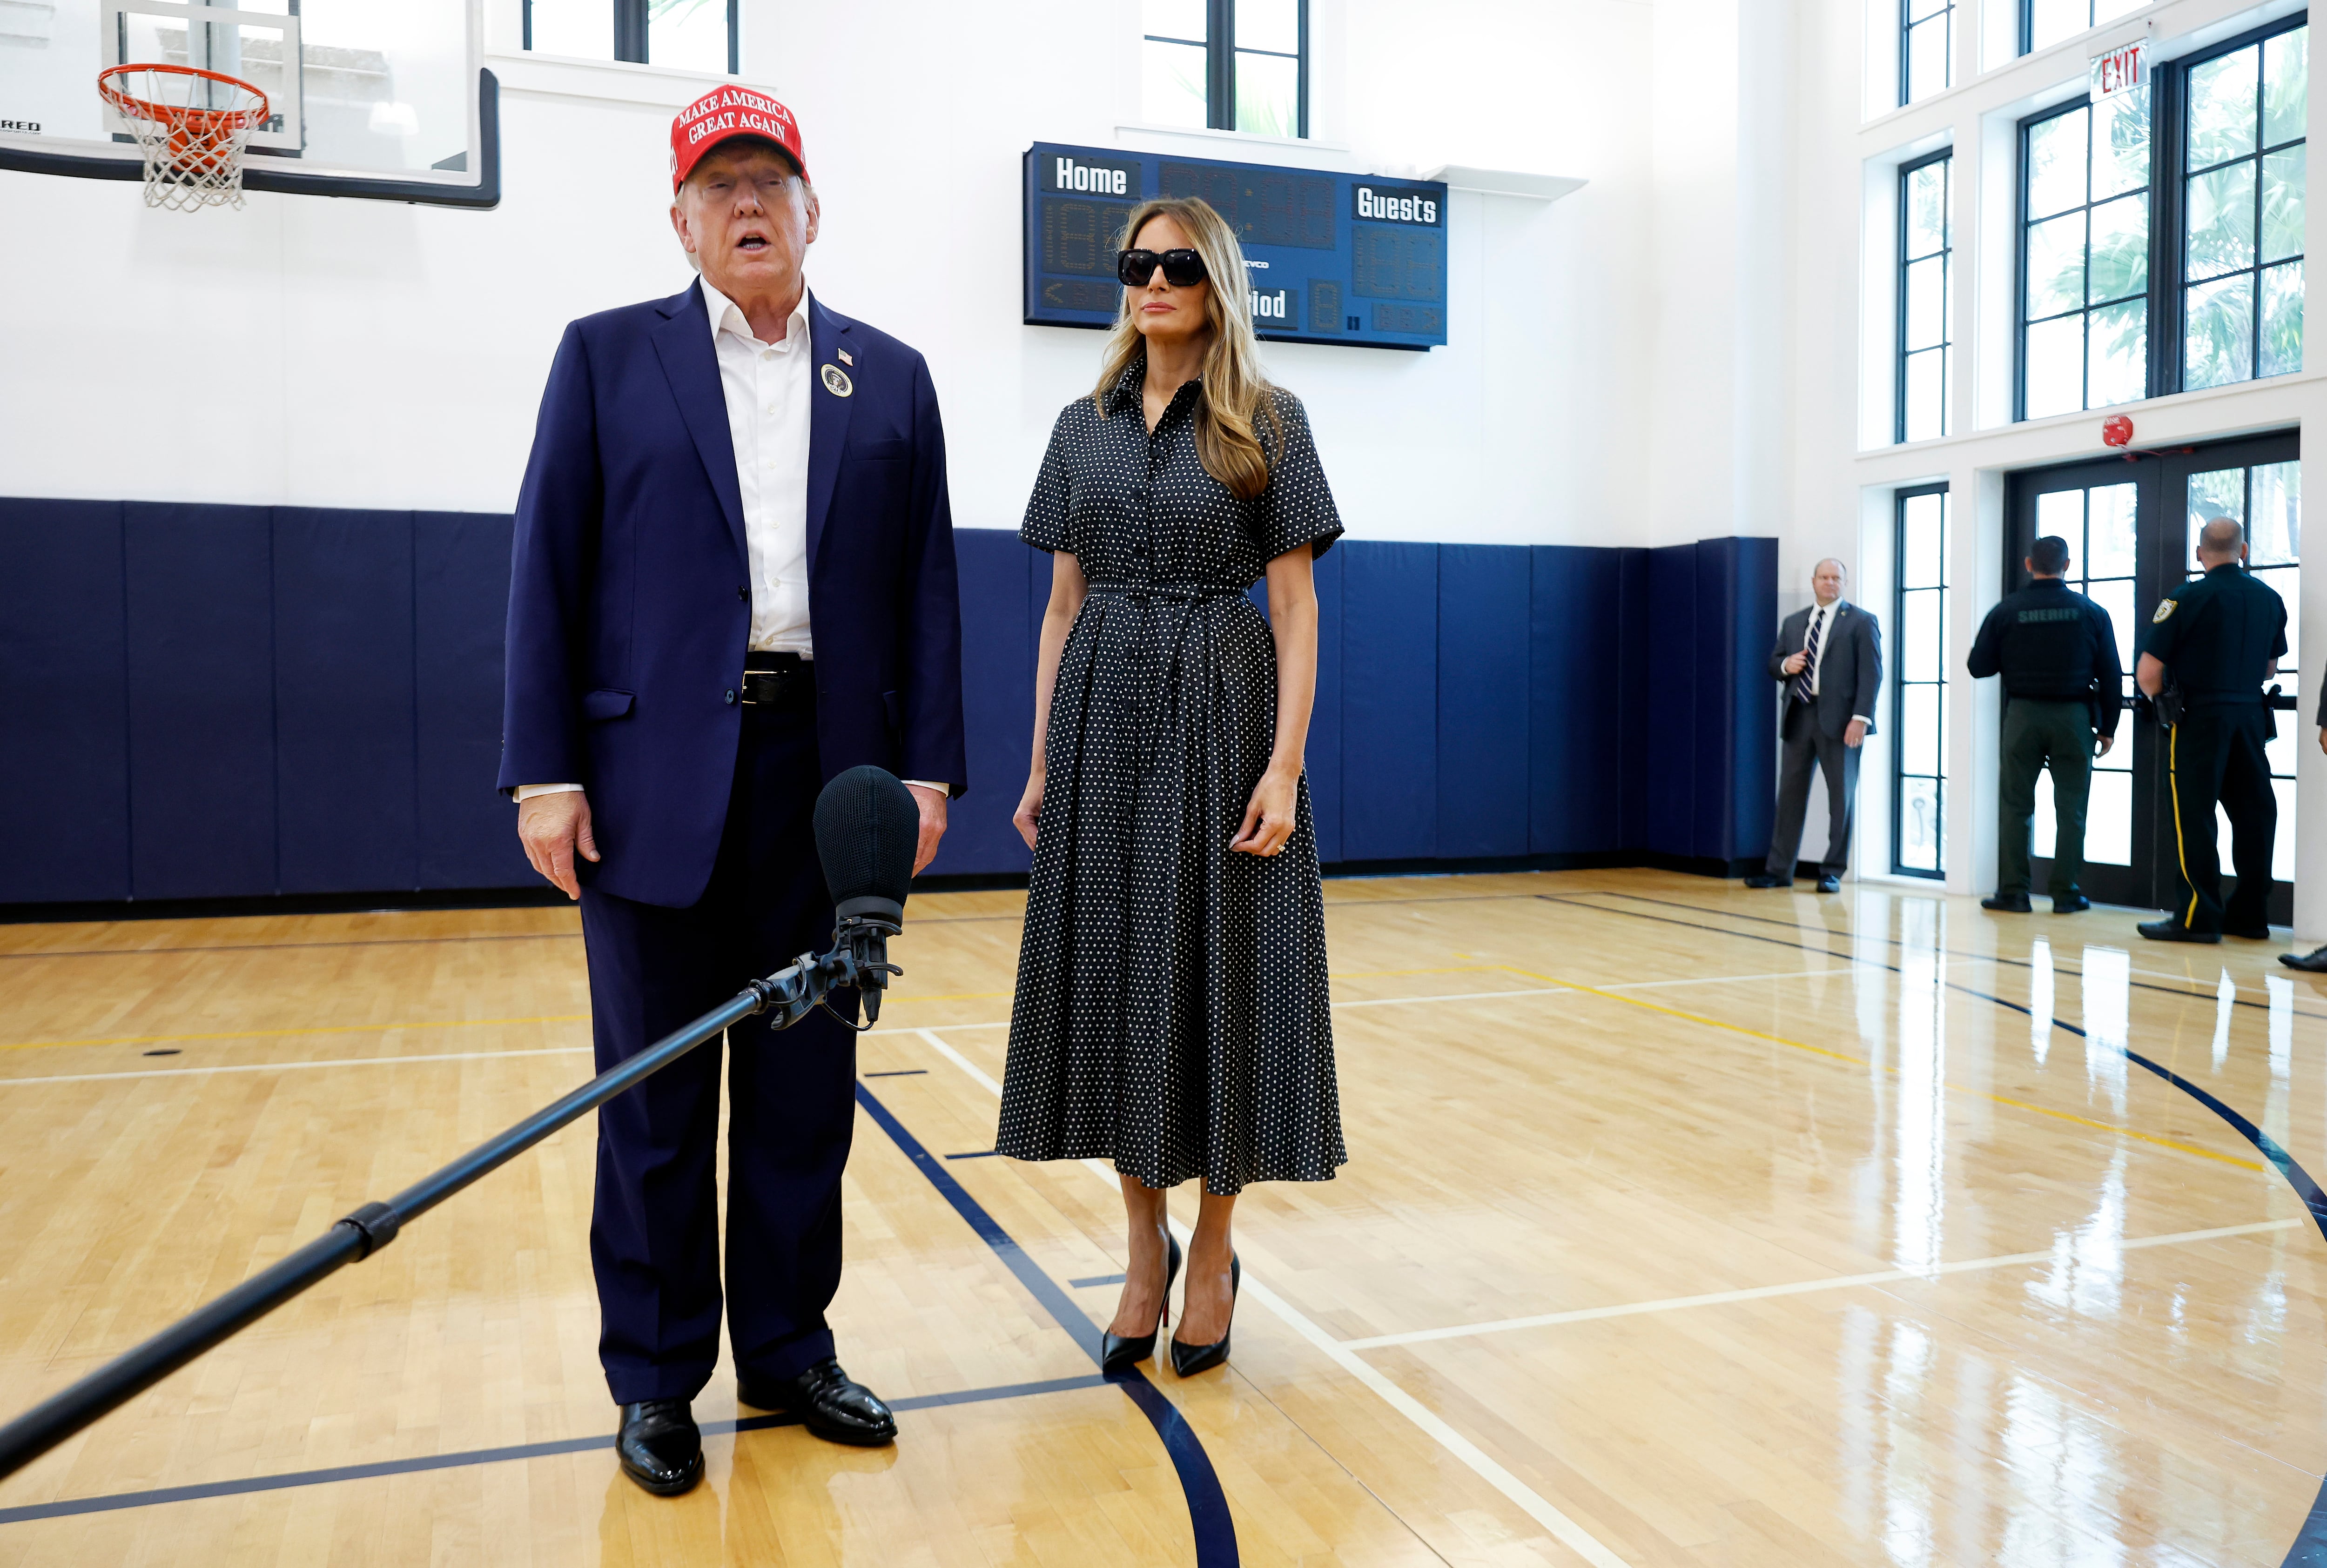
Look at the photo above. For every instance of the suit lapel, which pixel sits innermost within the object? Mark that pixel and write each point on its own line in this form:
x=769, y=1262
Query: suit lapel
x=691, y=365
x=828, y=416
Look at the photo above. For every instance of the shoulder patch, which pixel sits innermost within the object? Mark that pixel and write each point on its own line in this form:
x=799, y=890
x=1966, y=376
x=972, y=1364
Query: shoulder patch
x=2164, y=609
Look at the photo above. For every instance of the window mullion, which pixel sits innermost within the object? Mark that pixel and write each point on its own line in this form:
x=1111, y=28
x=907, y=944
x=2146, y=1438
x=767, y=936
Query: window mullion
x=2166, y=196
x=1301, y=85
x=631, y=31
x=1220, y=64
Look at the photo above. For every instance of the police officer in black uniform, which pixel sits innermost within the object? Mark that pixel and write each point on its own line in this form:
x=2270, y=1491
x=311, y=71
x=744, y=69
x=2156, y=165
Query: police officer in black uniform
x=2057, y=653
x=2213, y=641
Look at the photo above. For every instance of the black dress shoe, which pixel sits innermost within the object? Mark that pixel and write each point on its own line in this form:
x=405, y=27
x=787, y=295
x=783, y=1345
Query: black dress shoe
x=660, y=1446
x=829, y=1403
x=1761, y=879
x=2312, y=962
x=1829, y=883
x=2007, y=903
x=1188, y=1360
x=2075, y=903
x=1118, y=1351
x=2174, y=932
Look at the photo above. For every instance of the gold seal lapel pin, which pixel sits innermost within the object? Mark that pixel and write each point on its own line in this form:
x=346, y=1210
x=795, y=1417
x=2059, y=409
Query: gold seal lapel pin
x=836, y=381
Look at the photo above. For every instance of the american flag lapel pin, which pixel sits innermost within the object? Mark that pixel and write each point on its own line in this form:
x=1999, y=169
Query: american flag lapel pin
x=845, y=357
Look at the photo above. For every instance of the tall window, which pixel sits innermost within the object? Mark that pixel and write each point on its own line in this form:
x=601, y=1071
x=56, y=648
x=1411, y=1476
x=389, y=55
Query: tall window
x=2046, y=22
x=2097, y=523
x=688, y=34
x=2243, y=183
x=1919, y=729
x=2267, y=499
x=2107, y=316
x=1924, y=312
x=2084, y=259
x=1228, y=65
x=1927, y=36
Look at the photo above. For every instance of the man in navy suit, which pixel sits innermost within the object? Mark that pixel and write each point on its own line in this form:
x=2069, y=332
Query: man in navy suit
x=733, y=578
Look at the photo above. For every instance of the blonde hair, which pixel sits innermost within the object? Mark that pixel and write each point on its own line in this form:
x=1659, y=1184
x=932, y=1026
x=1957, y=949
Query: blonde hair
x=1234, y=393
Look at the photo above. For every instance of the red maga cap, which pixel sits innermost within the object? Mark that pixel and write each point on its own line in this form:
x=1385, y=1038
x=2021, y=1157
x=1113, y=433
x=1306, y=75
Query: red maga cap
x=724, y=112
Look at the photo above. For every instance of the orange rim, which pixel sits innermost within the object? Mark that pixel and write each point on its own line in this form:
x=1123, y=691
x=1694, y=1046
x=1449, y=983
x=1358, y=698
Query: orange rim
x=208, y=126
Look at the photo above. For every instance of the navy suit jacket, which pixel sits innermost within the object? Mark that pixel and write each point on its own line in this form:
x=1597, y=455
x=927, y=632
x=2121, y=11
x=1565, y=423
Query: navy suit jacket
x=630, y=590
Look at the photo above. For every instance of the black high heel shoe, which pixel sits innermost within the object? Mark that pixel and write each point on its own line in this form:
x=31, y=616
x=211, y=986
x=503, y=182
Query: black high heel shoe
x=1118, y=1352
x=1188, y=1360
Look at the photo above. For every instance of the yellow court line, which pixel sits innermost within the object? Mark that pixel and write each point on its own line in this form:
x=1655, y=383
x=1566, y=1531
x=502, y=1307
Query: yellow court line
x=1861, y=1061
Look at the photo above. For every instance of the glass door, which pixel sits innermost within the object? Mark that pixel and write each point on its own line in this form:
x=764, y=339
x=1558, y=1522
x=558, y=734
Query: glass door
x=2258, y=483
x=2106, y=511
x=2130, y=523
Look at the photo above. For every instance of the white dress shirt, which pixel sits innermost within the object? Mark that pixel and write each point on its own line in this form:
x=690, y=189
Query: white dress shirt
x=1821, y=622
x=768, y=388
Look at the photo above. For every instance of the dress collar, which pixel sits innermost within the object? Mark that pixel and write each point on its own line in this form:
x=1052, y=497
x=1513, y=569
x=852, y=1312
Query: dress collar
x=1129, y=386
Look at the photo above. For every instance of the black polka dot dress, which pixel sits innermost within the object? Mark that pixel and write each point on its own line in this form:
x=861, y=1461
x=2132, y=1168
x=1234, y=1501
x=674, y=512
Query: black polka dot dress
x=1171, y=1004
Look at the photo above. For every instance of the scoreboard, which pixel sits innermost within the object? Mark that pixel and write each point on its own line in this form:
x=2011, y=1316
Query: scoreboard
x=1328, y=259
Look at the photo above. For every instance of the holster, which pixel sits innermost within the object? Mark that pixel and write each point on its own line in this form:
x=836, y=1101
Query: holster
x=2168, y=703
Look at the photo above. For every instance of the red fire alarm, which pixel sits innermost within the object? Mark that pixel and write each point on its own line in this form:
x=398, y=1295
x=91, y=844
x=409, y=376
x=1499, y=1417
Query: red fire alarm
x=2116, y=430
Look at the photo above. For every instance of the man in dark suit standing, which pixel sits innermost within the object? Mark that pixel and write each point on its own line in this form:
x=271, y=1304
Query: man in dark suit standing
x=1828, y=665
x=733, y=578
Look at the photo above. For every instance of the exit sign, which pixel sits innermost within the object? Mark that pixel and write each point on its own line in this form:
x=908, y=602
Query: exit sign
x=2121, y=70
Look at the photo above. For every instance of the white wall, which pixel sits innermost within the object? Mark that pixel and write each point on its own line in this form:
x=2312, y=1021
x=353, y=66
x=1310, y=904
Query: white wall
x=377, y=354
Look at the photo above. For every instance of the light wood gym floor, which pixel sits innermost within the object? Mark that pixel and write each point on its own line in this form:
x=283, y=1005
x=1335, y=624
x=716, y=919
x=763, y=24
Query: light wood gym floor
x=1683, y=1225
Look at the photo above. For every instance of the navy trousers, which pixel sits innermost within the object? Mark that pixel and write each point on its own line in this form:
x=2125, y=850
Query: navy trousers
x=791, y=1111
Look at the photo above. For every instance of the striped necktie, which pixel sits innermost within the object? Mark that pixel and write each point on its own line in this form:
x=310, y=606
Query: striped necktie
x=1801, y=687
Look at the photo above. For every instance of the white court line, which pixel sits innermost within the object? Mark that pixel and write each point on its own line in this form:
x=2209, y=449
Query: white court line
x=83, y=1078
x=1570, y=1534
x=1454, y=996
x=1802, y=1287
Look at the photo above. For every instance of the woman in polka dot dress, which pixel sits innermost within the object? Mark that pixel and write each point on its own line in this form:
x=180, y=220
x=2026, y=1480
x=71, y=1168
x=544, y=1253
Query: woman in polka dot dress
x=1171, y=1004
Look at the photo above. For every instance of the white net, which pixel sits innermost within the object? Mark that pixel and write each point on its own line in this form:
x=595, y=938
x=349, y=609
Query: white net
x=192, y=127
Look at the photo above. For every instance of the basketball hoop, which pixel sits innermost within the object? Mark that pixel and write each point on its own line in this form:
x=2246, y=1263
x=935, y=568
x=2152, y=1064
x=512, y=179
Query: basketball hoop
x=191, y=124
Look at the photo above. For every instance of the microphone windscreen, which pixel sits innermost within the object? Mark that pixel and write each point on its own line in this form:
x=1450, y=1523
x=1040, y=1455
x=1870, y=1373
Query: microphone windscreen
x=867, y=828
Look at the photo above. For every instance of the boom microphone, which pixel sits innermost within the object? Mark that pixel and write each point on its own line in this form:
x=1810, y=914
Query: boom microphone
x=867, y=828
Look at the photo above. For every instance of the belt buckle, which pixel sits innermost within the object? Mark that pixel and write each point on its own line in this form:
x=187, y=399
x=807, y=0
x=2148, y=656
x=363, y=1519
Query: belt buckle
x=765, y=687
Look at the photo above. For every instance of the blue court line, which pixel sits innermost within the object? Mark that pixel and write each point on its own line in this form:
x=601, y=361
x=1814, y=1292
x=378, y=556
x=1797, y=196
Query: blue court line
x=2310, y=1546
x=1208, y=1506
x=1097, y=1280
x=68, y=1507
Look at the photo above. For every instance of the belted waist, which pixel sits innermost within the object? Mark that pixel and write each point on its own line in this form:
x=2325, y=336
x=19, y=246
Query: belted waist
x=1187, y=591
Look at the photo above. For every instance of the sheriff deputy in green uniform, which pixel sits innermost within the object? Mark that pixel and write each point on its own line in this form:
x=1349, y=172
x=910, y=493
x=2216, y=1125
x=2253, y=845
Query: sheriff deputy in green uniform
x=2057, y=653
x=2215, y=639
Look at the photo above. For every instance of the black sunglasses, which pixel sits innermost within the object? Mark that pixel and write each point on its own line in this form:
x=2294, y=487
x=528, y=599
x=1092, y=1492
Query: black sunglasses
x=1182, y=268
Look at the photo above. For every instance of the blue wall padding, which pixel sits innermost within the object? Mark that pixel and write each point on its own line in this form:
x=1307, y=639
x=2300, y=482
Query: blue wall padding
x=64, y=727
x=1324, y=757
x=1389, y=701
x=1668, y=780
x=999, y=622
x=1578, y=660
x=460, y=599
x=344, y=741
x=199, y=591
x=207, y=702
x=1484, y=711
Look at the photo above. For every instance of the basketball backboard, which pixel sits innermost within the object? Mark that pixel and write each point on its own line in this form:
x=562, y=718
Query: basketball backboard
x=384, y=98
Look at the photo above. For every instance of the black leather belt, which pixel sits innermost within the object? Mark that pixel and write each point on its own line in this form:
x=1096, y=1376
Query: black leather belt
x=777, y=680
